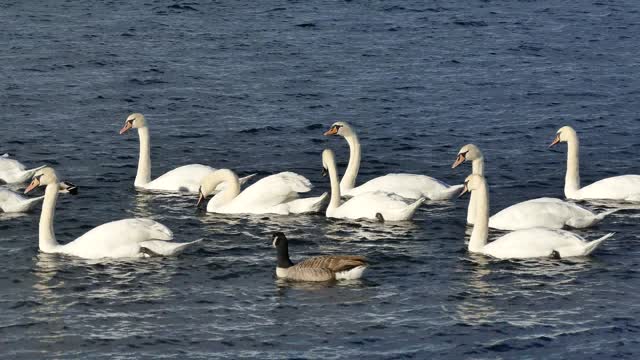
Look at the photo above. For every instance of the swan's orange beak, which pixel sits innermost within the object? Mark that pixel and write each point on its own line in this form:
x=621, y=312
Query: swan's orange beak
x=332, y=131
x=555, y=141
x=126, y=127
x=459, y=160
x=34, y=184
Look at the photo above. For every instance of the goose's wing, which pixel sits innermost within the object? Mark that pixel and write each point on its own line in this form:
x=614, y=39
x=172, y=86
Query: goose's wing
x=185, y=178
x=309, y=274
x=273, y=190
x=335, y=263
x=616, y=188
x=117, y=238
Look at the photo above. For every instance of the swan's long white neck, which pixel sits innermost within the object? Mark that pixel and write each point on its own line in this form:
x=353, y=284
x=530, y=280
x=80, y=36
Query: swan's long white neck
x=480, y=232
x=335, y=186
x=46, y=237
x=231, y=190
x=349, y=179
x=143, y=177
x=477, y=167
x=572, y=178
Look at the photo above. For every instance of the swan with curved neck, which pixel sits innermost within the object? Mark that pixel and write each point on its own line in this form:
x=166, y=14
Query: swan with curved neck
x=274, y=194
x=540, y=212
x=623, y=187
x=14, y=172
x=372, y=205
x=185, y=178
x=409, y=186
x=117, y=239
x=520, y=244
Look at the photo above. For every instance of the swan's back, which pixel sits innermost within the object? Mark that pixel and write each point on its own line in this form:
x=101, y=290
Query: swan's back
x=537, y=242
x=621, y=187
x=117, y=238
x=409, y=186
x=271, y=191
x=542, y=212
x=10, y=165
x=391, y=206
x=185, y=178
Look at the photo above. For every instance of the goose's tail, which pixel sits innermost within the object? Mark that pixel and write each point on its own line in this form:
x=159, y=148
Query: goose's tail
x=590, y=246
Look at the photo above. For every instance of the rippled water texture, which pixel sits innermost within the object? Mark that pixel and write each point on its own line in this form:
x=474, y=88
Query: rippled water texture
x=252, y=86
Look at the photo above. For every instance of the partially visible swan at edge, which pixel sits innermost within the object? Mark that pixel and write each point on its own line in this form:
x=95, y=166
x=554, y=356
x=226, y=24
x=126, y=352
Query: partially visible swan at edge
x=274, y=194
x=540, y=212
x=520, y=244
x=372, y=205
x=623, y=187
x=13, y=172
x=12, y=202
x=117, y=239
x=409, y=186
x=185, y=178
x=317, y=268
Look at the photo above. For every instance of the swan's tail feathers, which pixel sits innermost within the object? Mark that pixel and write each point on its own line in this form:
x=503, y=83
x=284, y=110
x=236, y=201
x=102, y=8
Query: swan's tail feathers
x=296, y=182
x=164, y=248
x=407, y=213
x=23, y=206
x=590, y=246
x=243, y=180
x=450, y=192
x=29, y=173
x=604, y=214
x=5, y=155
x=308, y=205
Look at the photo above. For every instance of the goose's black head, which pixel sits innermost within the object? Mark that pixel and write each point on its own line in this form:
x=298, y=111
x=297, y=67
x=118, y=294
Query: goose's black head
x=280, y=242
x=278, y=239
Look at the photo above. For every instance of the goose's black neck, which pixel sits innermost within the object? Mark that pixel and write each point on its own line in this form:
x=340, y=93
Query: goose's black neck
x=283, y=254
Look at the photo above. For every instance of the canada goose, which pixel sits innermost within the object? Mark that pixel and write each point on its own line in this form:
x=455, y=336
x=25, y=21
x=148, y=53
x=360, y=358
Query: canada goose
x=317, y=268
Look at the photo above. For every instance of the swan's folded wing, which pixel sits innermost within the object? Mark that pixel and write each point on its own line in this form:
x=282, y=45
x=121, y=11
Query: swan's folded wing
x=618, y=188
x=185, y=178
x=334, y=263
x=273, y=190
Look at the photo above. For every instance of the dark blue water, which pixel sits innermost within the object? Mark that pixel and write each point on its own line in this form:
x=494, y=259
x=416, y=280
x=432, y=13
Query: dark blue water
x=252, y=86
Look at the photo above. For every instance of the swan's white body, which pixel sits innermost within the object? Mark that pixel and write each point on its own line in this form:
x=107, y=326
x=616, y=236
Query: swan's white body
x=367, y=205
x=13, y=172
x=274, y=194
x=409, y=186
x=185, y=178
x=14, y=202
x=622, y=188
x=126, y=238
x=545, y=212
x=529, y=243
x=541, y=212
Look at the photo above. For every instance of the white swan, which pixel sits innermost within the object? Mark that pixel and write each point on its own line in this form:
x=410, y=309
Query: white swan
x=274, y=194
x=12, y=202
x=409, y=186
x=13, y=172
x=520, y=244
x=117, y=239
x=540, y=212
x=624, y=187
x=185, y=178
x=372, y=205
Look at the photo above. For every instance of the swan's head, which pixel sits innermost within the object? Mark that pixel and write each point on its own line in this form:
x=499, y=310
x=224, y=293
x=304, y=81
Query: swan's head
x=278, y=239
x=565, y=134
x=209, y=183
x=468, y=152
x=340, y=128
x=328, y=160
x=42, y=177
x=135, y=121
x=472, y=182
